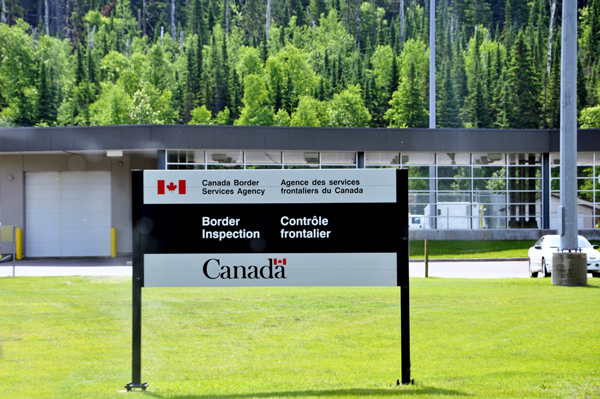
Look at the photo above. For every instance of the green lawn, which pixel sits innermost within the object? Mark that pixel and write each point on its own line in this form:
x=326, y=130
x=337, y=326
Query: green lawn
x=471, y=249
x=69, y=337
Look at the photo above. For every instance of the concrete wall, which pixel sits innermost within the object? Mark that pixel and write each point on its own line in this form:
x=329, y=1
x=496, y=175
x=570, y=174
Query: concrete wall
x=12, y=190
x=13, y=170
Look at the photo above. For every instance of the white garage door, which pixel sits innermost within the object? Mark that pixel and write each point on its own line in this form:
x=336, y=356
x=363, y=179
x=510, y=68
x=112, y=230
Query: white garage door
x=67, y=214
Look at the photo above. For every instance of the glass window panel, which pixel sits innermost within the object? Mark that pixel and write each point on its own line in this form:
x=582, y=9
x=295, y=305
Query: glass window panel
x=225, y=157
x=338, y=158
x=297, y=157
x=263, y=157
x=454, y=184
x=496, y=222
x=585, y=196
x=418, y=158
x=585, y=183
x=489, y=184
x=454, y=197
x=524, y=171
x=338, y=166
x=382, y=158
x=419, y=198
x=172, y=156
x=585, y=171
x=489, y=171
x=224, y=166
x=585, y=158
x=418, y=184
x=554, y=158
x=451, y=158
x=492, y=158
x=454, y=171
x=418, y=171
x=381, y=167
x=301, y=166
x=178, y=166
x=524, y=159
x=251, y=167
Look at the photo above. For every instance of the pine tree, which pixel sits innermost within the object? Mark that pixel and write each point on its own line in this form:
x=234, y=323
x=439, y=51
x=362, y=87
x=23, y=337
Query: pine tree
x=507, y=32
x=264, y=52
x=198, y=73
x=196, y=19
x=317, y=7
x=44, y=111
x=553, y=97
x=220, y=84
x=236, y=97
x=524, y=85
x=225, y=67
x=448, y=111
x=394, y=76
x=581, y=87
x=297, y=10
x=80, y=74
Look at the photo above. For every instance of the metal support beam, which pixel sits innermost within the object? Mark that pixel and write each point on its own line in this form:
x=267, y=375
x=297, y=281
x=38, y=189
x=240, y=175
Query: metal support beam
x=546, y=193
x=568, y=127
x=432, y=64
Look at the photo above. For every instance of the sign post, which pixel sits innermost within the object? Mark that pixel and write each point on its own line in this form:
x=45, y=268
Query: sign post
x=269, y=228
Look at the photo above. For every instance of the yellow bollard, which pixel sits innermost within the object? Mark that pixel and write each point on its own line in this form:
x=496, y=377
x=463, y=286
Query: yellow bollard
x=19, y=244
x=113, y=242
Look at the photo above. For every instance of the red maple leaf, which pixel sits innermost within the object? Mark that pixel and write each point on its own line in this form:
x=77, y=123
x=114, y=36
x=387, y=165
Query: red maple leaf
x=171, y=186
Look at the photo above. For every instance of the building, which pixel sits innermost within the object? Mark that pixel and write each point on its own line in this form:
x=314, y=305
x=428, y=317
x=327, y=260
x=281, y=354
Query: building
x=66, y=187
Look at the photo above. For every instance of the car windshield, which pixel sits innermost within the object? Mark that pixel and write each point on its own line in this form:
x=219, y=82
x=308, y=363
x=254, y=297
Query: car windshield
x=583, y=243
x=554, y=242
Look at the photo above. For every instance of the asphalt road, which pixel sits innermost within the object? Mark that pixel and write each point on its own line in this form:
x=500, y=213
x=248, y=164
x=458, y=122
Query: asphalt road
x=119, y=267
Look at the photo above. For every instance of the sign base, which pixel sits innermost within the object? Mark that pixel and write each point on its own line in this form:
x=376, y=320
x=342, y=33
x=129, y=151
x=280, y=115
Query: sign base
x=131, y=385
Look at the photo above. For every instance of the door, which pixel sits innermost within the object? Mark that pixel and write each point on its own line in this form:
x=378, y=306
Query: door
x=67, y=214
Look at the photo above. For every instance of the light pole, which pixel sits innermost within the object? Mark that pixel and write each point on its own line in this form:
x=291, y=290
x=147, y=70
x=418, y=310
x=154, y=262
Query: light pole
x=569, y=267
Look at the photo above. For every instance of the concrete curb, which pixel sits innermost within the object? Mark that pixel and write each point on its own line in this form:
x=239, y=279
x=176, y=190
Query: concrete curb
x=470, y=260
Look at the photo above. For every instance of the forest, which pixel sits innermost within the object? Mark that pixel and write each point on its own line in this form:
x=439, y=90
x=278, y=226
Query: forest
x=322, y=63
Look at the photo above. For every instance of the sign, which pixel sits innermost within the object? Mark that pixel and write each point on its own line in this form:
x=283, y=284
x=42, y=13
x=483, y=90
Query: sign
x=227, y=228
x=234, y=228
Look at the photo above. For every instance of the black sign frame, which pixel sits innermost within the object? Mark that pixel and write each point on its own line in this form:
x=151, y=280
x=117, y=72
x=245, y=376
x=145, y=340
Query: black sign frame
x=402, y=256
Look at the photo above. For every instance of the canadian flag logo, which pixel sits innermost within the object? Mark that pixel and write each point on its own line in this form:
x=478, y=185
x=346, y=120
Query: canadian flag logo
x=279, y=261
x=171, y=187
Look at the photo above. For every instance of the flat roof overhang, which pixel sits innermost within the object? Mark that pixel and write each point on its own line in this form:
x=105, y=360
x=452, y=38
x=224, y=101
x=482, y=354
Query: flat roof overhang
x=133, y=138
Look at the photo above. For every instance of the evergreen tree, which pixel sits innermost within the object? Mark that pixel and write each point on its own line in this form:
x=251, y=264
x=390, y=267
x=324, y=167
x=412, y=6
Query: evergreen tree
x=395, y=75
x=298, y=10
x=45, y=111
x=407, y=106
x=80, y=74
x=317, y=7
x=220, y=83
x=264, y=52
x=524, y=85
x=198, y=73
x=448, y=111
x=552, y=113
x=582, y=94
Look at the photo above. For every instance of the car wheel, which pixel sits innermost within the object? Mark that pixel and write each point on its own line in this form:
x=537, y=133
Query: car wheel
x=531, y=273
x=544, y=270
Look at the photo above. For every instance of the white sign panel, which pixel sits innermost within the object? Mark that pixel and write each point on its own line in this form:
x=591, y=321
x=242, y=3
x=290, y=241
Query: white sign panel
x=270, y=270
x=269, y=186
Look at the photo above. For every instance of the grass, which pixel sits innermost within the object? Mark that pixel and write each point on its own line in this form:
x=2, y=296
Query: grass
x=69, y=337
x=471, y=249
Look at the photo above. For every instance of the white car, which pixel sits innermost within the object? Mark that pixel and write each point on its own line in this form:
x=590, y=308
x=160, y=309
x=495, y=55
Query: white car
x=540, y=255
